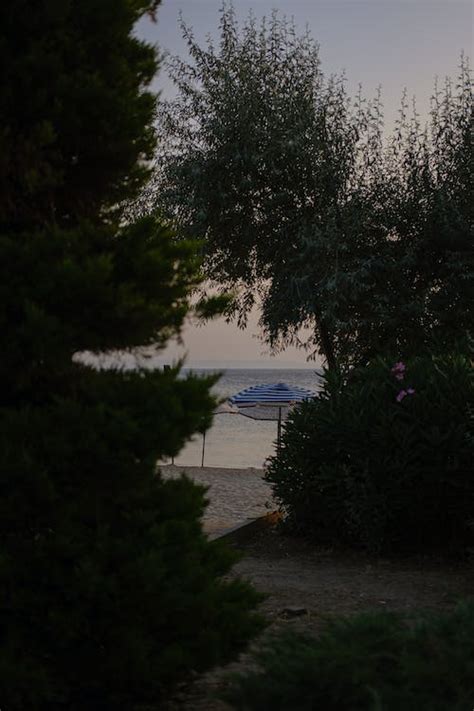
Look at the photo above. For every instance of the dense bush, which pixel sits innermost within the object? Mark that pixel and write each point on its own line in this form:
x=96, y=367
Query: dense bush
x=109, y=590
x=368, y=465
x=371, y=662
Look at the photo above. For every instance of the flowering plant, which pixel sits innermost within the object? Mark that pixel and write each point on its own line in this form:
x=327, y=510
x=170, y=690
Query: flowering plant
x=404, y=393
x=398, y=370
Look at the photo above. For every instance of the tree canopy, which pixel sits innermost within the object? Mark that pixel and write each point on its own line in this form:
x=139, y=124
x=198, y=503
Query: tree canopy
x=303, y=204
x=110, y=592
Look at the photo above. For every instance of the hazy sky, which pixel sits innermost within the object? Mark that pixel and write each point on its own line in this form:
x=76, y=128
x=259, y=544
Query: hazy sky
x=392, y=43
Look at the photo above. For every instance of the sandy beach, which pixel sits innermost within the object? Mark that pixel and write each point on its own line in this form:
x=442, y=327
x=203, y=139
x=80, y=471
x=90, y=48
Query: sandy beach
x=235, y=495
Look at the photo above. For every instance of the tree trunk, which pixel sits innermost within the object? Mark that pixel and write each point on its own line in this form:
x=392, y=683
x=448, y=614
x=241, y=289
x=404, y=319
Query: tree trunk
x=327, y=345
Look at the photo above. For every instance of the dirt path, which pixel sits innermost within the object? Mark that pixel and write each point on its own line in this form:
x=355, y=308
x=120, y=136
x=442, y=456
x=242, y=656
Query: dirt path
x=325, y=582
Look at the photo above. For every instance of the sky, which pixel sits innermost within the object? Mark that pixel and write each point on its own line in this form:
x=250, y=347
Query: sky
x=395, y=44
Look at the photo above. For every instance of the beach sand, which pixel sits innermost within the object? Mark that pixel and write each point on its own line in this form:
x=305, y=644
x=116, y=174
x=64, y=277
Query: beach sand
x=235, y=495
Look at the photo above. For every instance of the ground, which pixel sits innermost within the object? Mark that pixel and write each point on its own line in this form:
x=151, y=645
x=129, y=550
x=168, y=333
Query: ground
x=235, y=495
x=325, y=582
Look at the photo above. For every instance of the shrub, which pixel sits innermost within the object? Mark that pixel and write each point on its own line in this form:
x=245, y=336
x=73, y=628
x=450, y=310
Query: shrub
x=370, y=662
x=109, y=591
x=367, y=465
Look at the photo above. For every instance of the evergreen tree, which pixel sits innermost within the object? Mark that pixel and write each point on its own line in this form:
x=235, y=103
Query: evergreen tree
x=109, y=590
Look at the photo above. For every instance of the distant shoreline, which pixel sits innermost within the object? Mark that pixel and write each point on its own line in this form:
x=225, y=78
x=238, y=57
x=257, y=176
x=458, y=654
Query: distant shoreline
x=250, y=365
x=131, y=361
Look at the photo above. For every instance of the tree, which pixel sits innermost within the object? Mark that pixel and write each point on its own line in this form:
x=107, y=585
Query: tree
x=293, y=187
x=109, y=590
x=429, y=179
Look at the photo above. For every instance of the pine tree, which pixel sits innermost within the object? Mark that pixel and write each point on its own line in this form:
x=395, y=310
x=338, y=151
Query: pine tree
x=109, y=590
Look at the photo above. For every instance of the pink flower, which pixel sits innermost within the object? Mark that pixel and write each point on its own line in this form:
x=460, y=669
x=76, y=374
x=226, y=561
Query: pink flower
x=404, y=393
x=398, y=370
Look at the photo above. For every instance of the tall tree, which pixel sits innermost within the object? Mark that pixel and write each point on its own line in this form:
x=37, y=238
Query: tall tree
x=429, y=173
x=293, y=186
x=109, y=590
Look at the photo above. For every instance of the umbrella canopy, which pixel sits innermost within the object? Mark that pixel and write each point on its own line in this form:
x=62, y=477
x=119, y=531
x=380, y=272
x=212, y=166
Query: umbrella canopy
x=225, y=408
x=270, y=402
x=262, y=402
x=273, y=395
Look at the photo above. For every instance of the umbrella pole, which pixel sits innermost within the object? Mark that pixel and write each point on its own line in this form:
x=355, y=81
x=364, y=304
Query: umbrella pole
x=279, y=430
x=203, y=447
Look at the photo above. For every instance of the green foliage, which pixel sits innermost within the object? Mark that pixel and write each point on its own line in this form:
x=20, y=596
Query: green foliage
x=110, y=592
x=370, y=662
x=306, y=209
x=358, y=467
x=73, y=104
x=428, y=173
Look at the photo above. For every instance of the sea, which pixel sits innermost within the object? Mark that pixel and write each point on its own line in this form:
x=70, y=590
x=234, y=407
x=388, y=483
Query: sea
x=235, y=441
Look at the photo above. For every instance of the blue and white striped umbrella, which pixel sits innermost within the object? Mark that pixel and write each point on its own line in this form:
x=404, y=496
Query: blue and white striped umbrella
x=270, y=402
x=262, y=402
x=276, y=394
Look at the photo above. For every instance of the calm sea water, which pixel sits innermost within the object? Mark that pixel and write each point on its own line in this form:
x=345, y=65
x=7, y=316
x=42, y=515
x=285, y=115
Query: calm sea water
x=237, y=441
